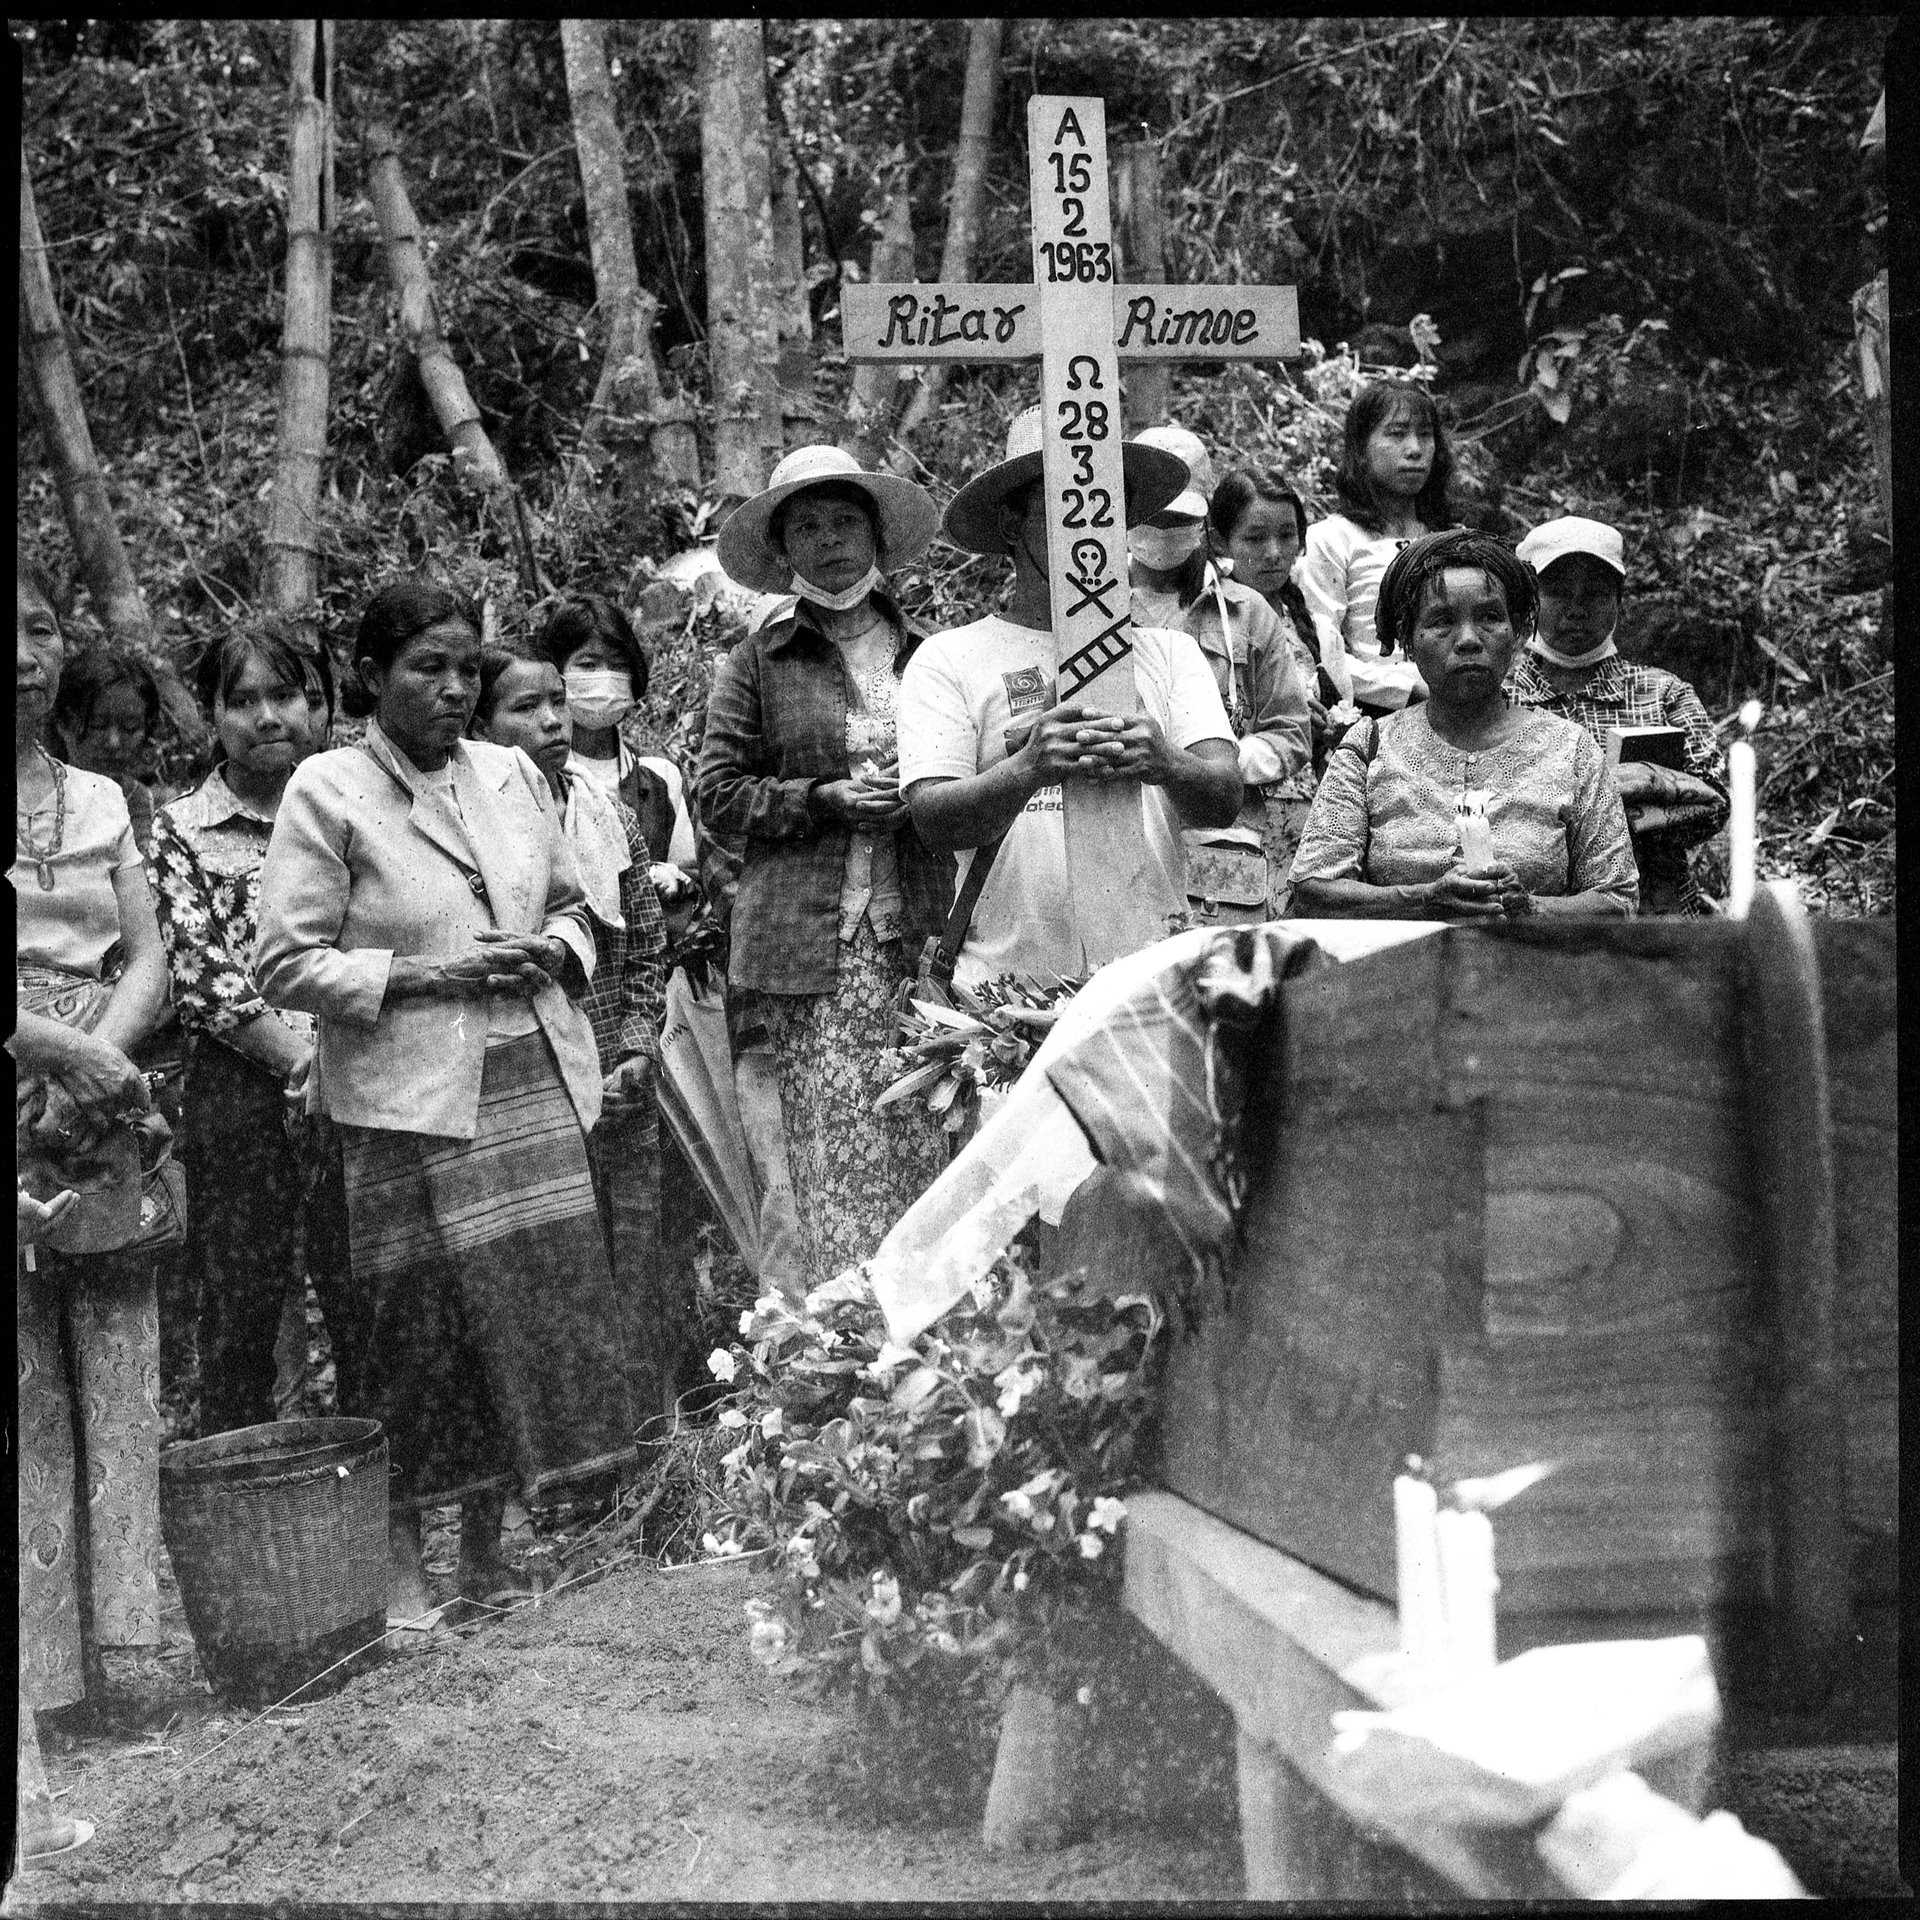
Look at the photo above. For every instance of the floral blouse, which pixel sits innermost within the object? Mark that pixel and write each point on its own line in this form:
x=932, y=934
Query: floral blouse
x=1389, y=818
x=205, y=863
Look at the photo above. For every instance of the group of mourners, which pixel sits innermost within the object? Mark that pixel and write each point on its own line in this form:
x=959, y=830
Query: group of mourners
x=418, y=981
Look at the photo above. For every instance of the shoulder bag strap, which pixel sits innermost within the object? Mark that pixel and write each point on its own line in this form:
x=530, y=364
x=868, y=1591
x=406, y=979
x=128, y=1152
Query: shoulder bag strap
x=943, y=949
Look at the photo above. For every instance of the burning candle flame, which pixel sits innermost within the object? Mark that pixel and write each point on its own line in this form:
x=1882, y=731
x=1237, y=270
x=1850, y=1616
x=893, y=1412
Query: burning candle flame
x=1496, y=1489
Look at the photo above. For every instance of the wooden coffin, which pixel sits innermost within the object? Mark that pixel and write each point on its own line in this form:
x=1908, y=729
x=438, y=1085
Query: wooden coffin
x=1503, y=1210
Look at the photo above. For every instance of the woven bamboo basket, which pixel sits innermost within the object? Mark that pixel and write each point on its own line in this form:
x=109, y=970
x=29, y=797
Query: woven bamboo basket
x=278, y=1536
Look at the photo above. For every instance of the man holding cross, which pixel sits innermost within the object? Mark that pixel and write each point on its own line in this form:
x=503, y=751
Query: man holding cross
x=985, y=743
x=1105, y=880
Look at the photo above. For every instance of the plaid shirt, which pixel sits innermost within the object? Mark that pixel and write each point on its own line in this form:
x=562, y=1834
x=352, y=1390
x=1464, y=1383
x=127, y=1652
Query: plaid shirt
x=1621, y=693
x=627, y=996
x=776, y=726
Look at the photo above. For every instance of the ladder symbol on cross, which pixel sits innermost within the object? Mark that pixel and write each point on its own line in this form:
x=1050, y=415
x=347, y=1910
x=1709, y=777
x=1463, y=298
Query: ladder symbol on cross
x=1079, y=321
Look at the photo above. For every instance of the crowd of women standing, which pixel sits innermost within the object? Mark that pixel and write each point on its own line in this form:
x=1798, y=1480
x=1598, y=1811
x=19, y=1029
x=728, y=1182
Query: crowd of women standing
x=419, y=979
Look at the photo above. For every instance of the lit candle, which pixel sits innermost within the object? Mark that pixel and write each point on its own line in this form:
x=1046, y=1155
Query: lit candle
x=1423, y=1624
x=1743, y=828
x=1476, y=836
x=1468, y=1584
x=1740, y=829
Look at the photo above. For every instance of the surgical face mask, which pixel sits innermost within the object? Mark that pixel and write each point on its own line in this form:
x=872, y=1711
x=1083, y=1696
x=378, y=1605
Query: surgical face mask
x=1591, y=658
x=843, y=601
x=599, y=696
x=1164, y=548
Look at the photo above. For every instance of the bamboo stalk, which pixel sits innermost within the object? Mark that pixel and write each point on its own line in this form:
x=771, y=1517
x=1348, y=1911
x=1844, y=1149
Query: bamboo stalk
x=629, y=393
x=474, y=456
x=77, y=477
x=306, y=339
x=970, y=158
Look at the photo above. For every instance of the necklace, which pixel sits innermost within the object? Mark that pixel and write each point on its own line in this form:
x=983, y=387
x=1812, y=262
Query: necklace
x=43, y=857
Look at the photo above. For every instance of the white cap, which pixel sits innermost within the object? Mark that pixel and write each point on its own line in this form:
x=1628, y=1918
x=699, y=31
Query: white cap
x=1554, y=539
x=1191, y=450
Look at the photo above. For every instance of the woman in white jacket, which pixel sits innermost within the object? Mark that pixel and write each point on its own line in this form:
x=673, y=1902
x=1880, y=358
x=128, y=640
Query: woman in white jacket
x=419, y=898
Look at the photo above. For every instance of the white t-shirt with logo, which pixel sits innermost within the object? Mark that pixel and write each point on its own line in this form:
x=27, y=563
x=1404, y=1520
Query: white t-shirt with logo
x=963, y=693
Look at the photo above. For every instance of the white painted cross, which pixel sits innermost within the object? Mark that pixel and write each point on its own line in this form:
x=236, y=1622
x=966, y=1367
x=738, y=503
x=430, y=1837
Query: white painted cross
x=1080, y=323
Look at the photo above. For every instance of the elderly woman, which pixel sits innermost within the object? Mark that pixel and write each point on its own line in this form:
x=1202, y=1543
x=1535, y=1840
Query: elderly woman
x=267, y=1202
x=1464, y=806
x=419, y=899
x=523, y=703
x=88, y=961
x=837, y=891
x=1572, y=667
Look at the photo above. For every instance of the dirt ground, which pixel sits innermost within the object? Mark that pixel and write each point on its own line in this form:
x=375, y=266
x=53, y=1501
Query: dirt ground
x=617, y=1742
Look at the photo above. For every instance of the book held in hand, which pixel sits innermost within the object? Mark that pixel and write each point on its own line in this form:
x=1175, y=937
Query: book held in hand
x=1664, y=746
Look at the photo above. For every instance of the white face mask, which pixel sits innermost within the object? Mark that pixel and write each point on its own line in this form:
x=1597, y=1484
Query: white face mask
x=1592, y=657
x=843, y=601
x=1163, y=548
x=599, y=696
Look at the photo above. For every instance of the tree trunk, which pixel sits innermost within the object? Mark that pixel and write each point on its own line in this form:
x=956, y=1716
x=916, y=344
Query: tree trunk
x=293, y=532
x=103, y=560
x=474, y=457
x=1139, y=221
x=969, y=191
x=742, y=329
x=800, y=416
x=630, y=412
x=876, y=386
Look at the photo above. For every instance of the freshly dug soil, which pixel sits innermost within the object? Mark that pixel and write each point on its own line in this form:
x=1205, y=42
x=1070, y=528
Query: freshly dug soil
x=617, y=1741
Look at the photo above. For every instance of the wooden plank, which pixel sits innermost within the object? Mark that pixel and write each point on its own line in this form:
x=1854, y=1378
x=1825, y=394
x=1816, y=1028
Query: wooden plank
x=1117, y=907
x=969, y=323
x=1206, y=323
x=926, y=321
x=1286, y=1648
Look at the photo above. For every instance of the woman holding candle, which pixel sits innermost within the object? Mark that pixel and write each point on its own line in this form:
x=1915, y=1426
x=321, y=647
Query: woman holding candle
x=1572, y=667
x=837, y=889
x=1463, y=806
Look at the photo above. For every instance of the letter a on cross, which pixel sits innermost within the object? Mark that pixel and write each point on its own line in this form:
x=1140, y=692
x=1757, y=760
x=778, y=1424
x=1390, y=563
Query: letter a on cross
x=1073, y=319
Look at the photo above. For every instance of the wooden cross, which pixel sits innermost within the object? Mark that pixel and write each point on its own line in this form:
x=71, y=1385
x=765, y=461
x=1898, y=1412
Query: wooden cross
x=1079, y=322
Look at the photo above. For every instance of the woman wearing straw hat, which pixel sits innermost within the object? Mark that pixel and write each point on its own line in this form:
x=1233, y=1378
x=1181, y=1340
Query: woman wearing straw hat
x=837, y=890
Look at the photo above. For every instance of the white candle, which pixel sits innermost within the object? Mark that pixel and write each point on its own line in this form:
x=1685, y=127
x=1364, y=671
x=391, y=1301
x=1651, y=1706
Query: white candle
x=1476, y=840
x=1423, y=1624
x=1468, y=1583
x=1742, y=829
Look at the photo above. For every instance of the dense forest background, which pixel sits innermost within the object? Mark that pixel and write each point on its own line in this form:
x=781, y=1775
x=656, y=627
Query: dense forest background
x=1632, y=245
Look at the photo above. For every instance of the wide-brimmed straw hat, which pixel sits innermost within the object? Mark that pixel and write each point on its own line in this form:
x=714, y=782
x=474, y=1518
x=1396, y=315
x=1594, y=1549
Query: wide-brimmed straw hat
x=906, y=513
x=1191, y=451
x=972, y=519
